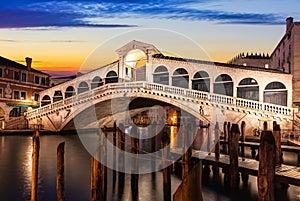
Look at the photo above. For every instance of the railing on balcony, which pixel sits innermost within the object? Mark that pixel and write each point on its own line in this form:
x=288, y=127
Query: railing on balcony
x=166, y=90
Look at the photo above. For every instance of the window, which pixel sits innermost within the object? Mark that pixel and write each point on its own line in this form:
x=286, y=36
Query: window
x=23, y=95
x=16, y=75
x=180, y=78
x=16, y=95
x=36, y=97
x=223, y=85
x=1, y=93
x=24, y=77
x=36, y=79
x=43, y=81
x=161, y=75
x=1, y=72
x=201, y=81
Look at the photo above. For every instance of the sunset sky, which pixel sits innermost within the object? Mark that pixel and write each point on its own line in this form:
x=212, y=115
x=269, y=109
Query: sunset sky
x=60, y=36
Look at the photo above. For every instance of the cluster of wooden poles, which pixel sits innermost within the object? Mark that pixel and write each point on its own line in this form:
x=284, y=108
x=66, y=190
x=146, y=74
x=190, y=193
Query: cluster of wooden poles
x=98, y=185
x=269, y=157
x=190, y=189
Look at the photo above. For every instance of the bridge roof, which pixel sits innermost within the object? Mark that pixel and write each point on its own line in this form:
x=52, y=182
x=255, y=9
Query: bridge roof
x=254, y=68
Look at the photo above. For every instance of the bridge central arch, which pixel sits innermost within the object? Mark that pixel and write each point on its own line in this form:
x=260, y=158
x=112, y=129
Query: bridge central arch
x=117, y=103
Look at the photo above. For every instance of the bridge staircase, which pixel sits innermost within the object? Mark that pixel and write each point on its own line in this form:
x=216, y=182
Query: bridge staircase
x=296, y=121
x=16, y=123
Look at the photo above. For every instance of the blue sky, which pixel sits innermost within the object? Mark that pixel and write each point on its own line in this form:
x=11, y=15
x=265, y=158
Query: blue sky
x=32, y=26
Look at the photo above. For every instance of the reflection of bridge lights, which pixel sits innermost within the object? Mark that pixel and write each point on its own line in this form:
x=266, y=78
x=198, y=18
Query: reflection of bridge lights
x=172, y=117
x=173, y=133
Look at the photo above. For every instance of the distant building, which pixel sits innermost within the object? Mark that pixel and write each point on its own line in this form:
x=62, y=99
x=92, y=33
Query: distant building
x=285, y=58
x=19, y=87
x=246, y=59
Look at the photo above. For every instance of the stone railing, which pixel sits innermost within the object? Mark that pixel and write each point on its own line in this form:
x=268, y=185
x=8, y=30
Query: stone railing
x=166, y=90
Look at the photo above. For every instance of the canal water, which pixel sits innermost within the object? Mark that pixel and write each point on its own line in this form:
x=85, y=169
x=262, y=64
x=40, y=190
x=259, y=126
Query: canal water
x=15, y=175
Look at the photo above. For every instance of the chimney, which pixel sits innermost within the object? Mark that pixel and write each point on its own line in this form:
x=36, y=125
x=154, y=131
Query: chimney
x=28, y=63
x=289, y=22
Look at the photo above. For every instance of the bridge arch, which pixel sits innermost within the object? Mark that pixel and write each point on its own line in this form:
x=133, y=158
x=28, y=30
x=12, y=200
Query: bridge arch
x=248, y=88
x=223, y=85
x=191, y=107
x=57, y=96
x=161, y=75
x=45, y=100
x=96, y=82
x=111, y=77
x=70, y=91
x=201, y=81
x=180, y=78
x=82, y=87
x=276, y=93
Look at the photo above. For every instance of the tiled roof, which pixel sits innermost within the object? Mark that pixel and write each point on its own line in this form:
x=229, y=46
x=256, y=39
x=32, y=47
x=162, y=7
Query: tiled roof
x=161, y=56
x=9, y=63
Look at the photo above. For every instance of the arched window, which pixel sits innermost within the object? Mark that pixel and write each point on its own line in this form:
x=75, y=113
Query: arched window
x=180, y=78
x=57, y=96
x=45, y=100
x=275, y=93
x=201, y=81
x=248, y=89
x=111, y=77
x=161, y=75
x=70, y=91
x=96, y=82
x=223, y=85
x=15, y=112
x=83, y=86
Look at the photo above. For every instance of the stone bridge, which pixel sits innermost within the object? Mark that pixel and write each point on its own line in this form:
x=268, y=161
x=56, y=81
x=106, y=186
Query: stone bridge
x=215, y=107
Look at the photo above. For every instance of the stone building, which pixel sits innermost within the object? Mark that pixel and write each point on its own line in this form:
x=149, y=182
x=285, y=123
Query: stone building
x=20, y=86
x=286, y=56
x=250, y=59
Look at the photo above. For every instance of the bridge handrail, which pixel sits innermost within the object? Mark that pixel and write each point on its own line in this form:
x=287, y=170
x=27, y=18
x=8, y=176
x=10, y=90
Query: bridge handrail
x=216, y=98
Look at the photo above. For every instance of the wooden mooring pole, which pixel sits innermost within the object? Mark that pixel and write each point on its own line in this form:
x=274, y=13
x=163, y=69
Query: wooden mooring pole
x=217, y=141
x=277, y=137
x=121, y=156
x=114, y=153
x=234, y=166
x=243, y=125
x=166, y=171
x=134, y=143
x=60, y=183
x=35, y=165
x=103, y=168
x=95, y=183
x=228, y=137
x=225, y=138
x=266, y=170
x=185, y=161
x=95, y=171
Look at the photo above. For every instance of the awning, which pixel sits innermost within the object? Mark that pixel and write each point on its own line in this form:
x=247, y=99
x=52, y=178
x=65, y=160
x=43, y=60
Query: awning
x=22, y=105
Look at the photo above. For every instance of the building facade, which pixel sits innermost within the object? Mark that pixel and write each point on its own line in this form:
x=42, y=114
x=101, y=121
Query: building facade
x=20, y=86
x=286, y=56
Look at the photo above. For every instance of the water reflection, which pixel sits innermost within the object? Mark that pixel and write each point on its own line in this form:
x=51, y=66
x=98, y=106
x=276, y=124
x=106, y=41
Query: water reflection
x=15, y=174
